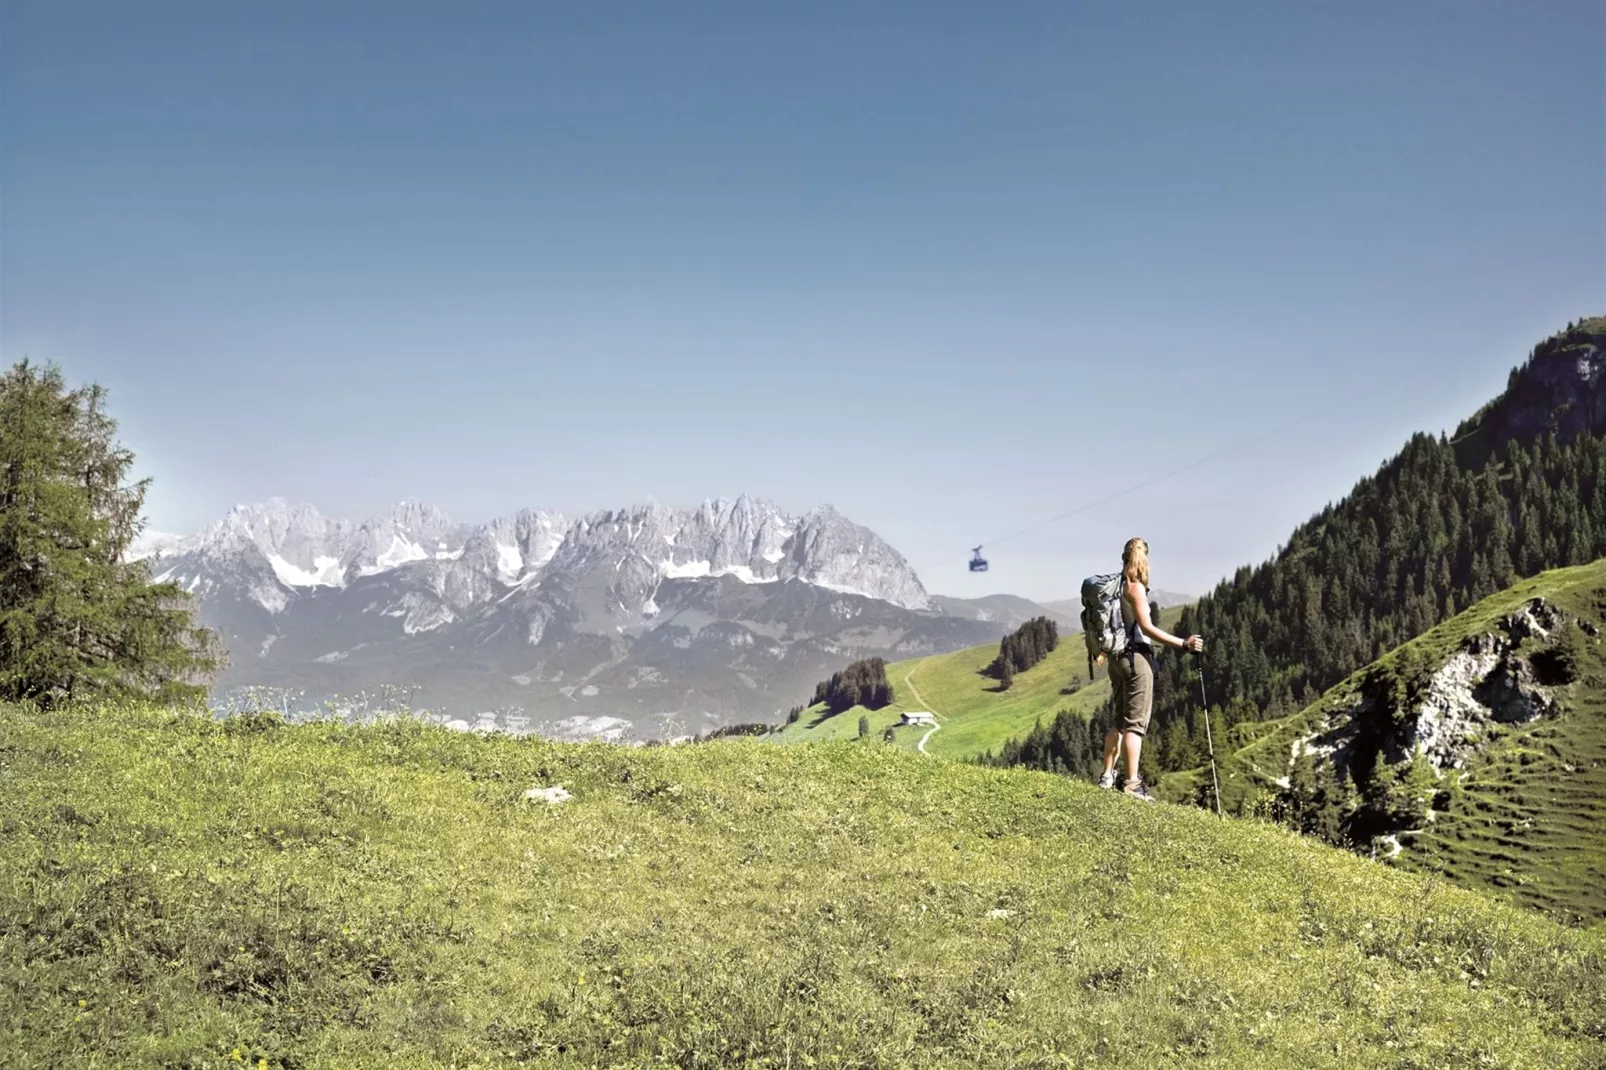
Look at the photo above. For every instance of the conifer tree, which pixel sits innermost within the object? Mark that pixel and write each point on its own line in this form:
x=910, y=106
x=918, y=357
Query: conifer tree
x=78, y=621
x=1414, y=798
x=1300, y=798
x=1328, y=815
x=1345, y=802
x=1377, y=796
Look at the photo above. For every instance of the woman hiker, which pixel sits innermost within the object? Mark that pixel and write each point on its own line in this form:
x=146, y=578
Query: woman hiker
x=1132, y=672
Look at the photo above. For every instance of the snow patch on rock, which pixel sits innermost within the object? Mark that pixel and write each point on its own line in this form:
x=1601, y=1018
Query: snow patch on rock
x=325, y=572
x=399, y=552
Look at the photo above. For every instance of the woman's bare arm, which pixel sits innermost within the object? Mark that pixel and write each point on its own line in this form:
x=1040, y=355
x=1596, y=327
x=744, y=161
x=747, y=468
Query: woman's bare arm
x=1140, y=605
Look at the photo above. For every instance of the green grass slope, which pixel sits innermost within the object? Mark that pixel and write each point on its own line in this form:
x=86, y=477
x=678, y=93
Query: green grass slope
x=974, y=716
x=1530, y=815
x=179, y=892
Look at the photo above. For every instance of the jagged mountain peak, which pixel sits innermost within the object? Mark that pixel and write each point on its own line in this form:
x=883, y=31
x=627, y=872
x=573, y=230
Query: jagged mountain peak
x=412, y=512
x=637, y=546
x=743, y=505
x=276, y=515
x=748, y=538
x=409, y=531
x=519, y=545
x=294, y=538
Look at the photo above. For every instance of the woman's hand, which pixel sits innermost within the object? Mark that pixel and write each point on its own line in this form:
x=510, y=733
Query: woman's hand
x=1194, y=644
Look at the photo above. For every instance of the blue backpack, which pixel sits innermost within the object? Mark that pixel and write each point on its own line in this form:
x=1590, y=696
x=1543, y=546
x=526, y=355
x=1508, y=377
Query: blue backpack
x=1103, y=630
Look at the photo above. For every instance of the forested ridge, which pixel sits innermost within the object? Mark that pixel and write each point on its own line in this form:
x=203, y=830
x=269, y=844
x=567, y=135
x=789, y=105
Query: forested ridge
x=1446, y=522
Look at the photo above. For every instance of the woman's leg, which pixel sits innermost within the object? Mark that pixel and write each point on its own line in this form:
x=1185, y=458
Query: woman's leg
x=1120, y=679
x=1134, y=746
x=1140, y=702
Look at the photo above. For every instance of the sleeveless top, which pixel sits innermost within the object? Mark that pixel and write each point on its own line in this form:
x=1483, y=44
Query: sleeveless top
x=1138, y=640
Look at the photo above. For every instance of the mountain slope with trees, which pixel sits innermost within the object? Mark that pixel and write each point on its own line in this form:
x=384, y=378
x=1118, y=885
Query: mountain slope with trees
x=1521, y=487
x=1476, y=750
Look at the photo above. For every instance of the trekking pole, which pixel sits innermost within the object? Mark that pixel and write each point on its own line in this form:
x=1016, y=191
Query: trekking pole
x=1204, y=705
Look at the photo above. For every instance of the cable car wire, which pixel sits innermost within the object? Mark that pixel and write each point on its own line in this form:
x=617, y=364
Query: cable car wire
x=1199, y=462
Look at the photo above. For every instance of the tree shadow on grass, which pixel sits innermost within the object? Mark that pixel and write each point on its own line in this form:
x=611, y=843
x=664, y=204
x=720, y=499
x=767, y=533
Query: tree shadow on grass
x=825, y=715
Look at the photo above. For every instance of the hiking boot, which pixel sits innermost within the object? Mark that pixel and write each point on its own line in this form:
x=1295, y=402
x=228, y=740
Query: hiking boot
x=1107, y=780
x=1134, y=788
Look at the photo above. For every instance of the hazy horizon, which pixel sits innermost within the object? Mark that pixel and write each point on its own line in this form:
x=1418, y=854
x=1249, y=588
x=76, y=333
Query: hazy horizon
x=954, y=271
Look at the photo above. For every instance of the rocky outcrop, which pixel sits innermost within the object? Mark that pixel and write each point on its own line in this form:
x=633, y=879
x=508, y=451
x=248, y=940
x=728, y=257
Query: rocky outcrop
x=1559, y=390
x=1489, y=681
x=1500, y=677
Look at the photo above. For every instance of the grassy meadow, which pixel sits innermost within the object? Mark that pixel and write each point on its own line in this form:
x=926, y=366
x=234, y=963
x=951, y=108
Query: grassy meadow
x=181, y=892
x=975, y=717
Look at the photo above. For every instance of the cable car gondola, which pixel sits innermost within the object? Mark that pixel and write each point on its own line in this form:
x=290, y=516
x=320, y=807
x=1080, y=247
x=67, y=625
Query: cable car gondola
x=978, y=563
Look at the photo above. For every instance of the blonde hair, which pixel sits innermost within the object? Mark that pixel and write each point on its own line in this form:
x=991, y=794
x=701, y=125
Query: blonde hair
x=1135, y=562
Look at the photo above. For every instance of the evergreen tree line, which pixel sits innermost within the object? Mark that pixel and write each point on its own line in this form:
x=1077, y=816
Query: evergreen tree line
x=1070, y=744
x=864, y=683
x=1410, y=547
x=1023, y=648
x=77, y=621
x=734, y=731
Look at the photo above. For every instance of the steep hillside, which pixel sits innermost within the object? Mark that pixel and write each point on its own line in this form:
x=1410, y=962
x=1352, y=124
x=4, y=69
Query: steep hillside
x=1529, y=816
x=1447, y=522
x=974, y=716
x=176, y=891
x=1506, y=704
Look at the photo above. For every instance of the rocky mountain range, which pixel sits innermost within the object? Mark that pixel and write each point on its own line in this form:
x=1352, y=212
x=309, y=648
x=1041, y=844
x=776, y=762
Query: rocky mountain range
x=638, y=621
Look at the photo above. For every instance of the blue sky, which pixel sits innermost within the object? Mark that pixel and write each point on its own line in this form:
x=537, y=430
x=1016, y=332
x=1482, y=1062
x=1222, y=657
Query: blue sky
x=952, y=268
